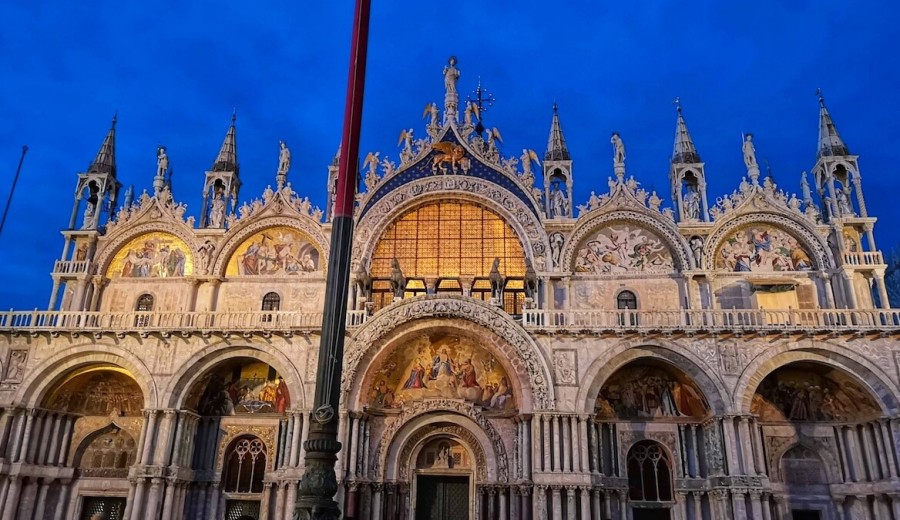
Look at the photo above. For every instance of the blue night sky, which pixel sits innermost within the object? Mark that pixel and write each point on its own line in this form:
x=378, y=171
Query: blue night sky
x=175, y=70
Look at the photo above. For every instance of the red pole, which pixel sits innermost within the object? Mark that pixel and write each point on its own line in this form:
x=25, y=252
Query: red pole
x=319, y=484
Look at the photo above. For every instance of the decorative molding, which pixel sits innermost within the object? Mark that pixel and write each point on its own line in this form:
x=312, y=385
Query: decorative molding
x=417, y=408
x=369, y=337
x=407, y=464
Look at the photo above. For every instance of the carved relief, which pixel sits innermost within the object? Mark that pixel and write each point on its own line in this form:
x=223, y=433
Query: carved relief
x=15, y=365
x=431, y=459
x=762, y=248
x=393, y=425
x=808, y=241
x=565, y=367
x=622, y=247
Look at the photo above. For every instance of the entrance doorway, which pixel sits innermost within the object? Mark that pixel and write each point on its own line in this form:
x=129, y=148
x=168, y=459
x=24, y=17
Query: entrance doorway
x=656, y=513
x=442, y=497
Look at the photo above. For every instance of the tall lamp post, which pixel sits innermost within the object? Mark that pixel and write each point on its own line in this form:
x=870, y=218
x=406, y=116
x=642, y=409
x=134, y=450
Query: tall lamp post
x=319, y=483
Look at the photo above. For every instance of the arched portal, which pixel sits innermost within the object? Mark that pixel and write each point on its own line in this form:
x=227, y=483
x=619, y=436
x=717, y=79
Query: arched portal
x=90, y=420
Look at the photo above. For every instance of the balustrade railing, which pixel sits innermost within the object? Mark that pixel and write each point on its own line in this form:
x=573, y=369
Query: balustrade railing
x=168, y=321
x=734, y=319
x=864, y=258
x=72, y=267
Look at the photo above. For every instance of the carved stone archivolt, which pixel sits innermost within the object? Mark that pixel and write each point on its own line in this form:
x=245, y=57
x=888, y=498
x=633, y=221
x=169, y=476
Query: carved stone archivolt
x=245, y=229
x=807, y=235
x=407, y=454
x=640, y=216
x=369, y=338
x=418, y=408
x=441, y=188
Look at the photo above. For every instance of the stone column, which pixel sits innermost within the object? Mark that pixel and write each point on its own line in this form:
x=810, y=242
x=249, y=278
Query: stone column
x=781, y=508
x=748, y=458
x=153, y=497
x=26, y=437
x=525, y=508
x=169, y=500
x=584, y=500
x=266, y=501
x=304, y=435
x=719, y=505
x=11, y=504
x=501, y=506
x=376, y=500
x=756, y=504
x=680, y=511
x=527, y=454
x=537, y=463
x=291, y=496
x=584, y=443
x=623, y=505
x=150, y=427
x=539, y=503
x=607, y=503
x=354, y=444
x=698, y=505
x=548, y=460
x=556, y=501
x=570, y=502
x=62, y=500
x=138, y=509
x=556, y=462
x=730, y=439
x=888, y=441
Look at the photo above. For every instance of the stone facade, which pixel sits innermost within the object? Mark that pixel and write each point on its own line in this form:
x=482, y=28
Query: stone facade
x=733, y=360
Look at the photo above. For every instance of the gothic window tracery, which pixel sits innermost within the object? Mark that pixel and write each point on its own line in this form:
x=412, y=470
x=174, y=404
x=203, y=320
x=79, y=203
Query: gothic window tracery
x=245, y=465
x=649, y=473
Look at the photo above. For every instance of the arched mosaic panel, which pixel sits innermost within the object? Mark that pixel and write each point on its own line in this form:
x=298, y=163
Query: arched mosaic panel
x=275, y=251
x=645, y=390
x=622, y=247
x=812, y=392
x=762, y=248
x=102, y=390
x=239, y=386
x=436, y=366
x=152, y=255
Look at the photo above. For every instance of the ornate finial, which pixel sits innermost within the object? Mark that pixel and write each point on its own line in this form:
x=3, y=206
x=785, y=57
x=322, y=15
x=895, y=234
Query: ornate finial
x=233, y=115
x=677, y=103
x=483, y=100
x=555, y=107
x=115, y=118
x=821, y=97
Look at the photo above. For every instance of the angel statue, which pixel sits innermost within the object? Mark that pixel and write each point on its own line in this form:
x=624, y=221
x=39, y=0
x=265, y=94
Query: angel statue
x=619, y=148
x=406, y=137
x=451, y=75
x=471, y=109
x=527, y=157
x=371, y=161
x=493, y=134
x=432, y=110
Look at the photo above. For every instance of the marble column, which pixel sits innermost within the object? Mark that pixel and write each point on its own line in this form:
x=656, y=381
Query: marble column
x=150, y=427
x=501, y=506
x=895, y=504
x=539, y=503
x=62, y=500
x=41, y=503
x=376, y=501
x=556, y=502
x=168, y=501
x=888, y=441
x=584, y=500
x=698, y=505
x=266, y=501
x=730, y=447
x=556, y=459
x=153, y=498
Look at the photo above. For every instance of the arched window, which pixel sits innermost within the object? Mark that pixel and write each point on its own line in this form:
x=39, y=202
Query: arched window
x=649, y=473
x=144, y=304
x=626, y=302
x=245, y=465
x=271, y=302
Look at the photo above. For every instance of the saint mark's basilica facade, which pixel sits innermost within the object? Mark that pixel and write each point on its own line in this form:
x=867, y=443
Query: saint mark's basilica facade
x=510, y=353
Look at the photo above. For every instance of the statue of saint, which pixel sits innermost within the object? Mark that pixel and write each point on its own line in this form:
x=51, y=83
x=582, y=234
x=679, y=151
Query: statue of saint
x=162, y=161
x=618, y=148
x=284, y=158
x=691, y=204
x=451, y=75
x=559, y=204
x=696, y=244
x=749, y=152
x=217, y=212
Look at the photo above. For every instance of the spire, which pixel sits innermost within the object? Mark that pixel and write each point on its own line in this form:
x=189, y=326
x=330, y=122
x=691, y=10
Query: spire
x=226, y=161
x=684, y=151
x=105, y=162
x=556, y=144
x=830, y=142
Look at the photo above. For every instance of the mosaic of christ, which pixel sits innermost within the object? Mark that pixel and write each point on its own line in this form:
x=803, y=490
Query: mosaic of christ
x=441, y=366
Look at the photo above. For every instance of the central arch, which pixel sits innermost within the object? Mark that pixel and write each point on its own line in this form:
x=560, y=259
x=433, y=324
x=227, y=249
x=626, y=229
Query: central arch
x=417, y=314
